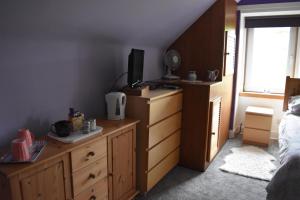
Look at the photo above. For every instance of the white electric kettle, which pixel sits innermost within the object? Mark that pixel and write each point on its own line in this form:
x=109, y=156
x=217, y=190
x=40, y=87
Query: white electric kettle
x=115, y=103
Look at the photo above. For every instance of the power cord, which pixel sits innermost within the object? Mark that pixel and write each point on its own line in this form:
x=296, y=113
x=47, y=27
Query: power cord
x=117, y=79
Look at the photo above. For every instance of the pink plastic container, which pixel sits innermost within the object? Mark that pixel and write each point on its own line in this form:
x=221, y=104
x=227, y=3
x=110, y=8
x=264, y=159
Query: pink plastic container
x=20, y=150
x=26, y=135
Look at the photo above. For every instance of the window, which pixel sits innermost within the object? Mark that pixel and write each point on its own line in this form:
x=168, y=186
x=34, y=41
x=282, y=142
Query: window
x=270, y=57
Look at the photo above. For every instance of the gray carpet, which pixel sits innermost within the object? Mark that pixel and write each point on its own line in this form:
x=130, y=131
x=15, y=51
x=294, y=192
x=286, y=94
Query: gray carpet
x=213, y=184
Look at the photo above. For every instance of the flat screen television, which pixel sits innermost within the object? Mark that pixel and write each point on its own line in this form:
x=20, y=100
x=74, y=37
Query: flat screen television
x=135, y=67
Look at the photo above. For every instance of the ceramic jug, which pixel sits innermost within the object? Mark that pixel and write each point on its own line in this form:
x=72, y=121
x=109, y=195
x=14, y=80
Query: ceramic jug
x=192, y=76
x=213, y=75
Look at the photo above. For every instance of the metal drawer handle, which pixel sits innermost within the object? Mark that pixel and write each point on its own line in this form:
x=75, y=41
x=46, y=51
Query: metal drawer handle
x=92, y=176
x=213, y=133
x=93, y=197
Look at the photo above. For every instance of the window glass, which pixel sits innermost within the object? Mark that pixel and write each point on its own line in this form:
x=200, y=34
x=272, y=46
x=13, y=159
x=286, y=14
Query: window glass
x=267, y=59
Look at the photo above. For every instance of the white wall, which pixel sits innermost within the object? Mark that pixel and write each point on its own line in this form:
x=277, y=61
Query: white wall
x=275, y=104
x=243, y=102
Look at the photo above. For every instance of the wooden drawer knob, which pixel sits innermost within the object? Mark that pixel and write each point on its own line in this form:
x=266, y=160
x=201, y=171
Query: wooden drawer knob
x=93, y=197
x=92, y=176
x=90, y=154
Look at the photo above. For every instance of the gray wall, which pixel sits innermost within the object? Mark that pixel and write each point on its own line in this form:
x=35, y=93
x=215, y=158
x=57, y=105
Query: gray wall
x=40, y=78
x=60, y=53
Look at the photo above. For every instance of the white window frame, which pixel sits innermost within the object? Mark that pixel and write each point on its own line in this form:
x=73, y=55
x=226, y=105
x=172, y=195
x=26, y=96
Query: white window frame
x=297, y=57
x=291, y=62
x=290, y=8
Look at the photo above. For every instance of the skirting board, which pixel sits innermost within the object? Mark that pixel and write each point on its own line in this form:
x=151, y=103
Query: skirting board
x=231, y=134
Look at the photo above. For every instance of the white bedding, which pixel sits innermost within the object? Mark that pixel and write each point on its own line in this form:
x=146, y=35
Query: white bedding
x=285, y=185
x=289, y=136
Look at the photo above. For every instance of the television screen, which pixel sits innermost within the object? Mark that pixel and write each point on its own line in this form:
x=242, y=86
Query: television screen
x=135, y=67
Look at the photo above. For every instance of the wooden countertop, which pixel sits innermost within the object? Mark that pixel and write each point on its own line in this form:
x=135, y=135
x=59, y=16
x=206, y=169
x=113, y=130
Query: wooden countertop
x=160, y=93
x=55, y=148
x=206, y=83
x=260, y=111
x=183, y=81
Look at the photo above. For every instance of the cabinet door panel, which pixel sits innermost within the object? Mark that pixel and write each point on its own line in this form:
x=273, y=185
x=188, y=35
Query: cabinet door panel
x=215, y=112
x=45, y=185
x=4, y=187
x=123, y=164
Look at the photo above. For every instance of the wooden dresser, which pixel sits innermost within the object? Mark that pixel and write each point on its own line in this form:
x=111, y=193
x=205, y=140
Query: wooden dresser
x=98, y=168
x=258, y=123
x=158, y=134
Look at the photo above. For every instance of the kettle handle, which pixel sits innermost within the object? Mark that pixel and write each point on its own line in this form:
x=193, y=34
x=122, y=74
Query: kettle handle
x=217, y=73
x=53, y=129
x=123, y=99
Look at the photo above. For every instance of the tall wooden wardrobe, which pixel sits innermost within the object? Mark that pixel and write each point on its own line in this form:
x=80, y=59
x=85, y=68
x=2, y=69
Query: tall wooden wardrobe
x=208, y=44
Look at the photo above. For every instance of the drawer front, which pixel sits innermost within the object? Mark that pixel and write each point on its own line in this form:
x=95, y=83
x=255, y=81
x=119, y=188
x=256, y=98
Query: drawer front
x=97, y=191
x=158, y=172
x=256, y=136
x=88, y=154
x=163, y=129
x=88, y=176
x=258, y=121
x=162, y=108
x=160, y=151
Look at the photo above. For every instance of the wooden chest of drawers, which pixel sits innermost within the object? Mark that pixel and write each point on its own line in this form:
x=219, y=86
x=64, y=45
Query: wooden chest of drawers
x=158, y=134
x=258, y=122
x=99, y=168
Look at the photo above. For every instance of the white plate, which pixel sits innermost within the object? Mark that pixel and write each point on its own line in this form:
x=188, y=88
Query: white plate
x=75, y=136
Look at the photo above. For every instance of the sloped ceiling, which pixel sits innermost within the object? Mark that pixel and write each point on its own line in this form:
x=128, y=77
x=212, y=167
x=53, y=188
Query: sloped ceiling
x=142, y=22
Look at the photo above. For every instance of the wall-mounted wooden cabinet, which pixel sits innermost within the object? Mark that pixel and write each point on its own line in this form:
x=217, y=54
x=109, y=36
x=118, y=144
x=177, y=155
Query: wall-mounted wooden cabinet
x=208, y=44
x=203, y=45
